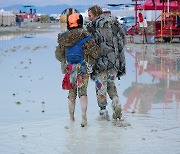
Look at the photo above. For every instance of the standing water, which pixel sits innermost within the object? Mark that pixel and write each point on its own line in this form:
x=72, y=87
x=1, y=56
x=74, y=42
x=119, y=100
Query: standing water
x=34, y=114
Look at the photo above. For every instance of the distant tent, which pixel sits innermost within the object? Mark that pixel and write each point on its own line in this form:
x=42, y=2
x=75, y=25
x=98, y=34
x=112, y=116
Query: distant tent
x=7, y=18
x=158, y=5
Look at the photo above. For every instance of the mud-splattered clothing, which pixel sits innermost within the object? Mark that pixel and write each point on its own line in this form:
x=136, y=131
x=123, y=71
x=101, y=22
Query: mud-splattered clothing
x=105, y=83
x=90, y=49
x=81, y=91
x=109, y=35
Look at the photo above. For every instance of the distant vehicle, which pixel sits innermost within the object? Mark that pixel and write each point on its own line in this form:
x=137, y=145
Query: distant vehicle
x=52, y=19
x=120, y=19
x=126, y=22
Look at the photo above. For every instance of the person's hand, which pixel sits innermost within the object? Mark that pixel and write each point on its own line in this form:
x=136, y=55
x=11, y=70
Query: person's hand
x=63, y=67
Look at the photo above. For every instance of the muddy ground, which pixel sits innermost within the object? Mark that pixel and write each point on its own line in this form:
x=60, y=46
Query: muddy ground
x=34, y=113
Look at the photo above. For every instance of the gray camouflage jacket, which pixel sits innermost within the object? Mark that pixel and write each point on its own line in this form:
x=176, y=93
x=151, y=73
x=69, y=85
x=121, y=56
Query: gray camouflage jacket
x=109, y=35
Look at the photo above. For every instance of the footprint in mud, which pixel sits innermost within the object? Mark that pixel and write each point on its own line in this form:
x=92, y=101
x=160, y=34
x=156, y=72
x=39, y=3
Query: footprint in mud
x=15, y=48
x=26, y=48
x=18, y=103
x=39, y=47
x=121, y=123
x=36, y=48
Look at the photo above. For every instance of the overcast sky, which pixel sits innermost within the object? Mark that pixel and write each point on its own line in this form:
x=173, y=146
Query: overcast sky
x=4, y=3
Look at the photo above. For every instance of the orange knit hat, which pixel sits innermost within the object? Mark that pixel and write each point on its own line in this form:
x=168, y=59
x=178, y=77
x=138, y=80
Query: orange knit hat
x=73, y=20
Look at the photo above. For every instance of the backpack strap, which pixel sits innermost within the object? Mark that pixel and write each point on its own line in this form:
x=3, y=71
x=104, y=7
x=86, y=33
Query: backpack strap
x=80, y=43
x=83, y=40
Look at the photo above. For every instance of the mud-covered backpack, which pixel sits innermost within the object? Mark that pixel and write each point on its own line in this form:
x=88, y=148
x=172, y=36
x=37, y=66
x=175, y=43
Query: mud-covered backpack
x=74, y=54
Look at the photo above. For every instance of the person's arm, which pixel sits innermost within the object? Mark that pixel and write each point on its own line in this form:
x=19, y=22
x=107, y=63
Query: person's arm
x=91, y=50
x=60, y=54
x=120, y=34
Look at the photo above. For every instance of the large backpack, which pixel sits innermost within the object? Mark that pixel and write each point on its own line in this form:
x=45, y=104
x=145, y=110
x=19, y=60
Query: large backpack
x=74, y=54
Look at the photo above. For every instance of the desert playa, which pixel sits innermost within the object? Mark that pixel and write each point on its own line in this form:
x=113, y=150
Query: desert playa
x=34, y=116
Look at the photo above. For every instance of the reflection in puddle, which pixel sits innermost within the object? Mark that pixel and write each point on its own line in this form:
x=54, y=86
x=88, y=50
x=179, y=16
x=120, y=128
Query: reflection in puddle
x=29, y=36
x=8, y=37
x=157, y=80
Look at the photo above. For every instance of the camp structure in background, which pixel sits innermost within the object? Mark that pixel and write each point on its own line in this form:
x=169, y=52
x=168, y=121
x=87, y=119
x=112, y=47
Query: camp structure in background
x=7, y=18
x=27, y=14
x=156, y=20
x=64, y=15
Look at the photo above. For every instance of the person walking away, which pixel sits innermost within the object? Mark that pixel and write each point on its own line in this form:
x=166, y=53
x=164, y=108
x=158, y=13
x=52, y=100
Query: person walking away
x=109, y=35
x=91, y=50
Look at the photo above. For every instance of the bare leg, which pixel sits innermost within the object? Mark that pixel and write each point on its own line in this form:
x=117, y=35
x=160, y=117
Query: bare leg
x=71, y=103
x=84, y=103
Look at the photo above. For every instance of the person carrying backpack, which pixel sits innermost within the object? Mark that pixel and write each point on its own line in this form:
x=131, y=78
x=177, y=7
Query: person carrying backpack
x=109, y=35
x=77, y=52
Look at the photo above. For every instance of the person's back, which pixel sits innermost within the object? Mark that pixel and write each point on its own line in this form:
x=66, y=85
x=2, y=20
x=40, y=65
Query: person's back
x=109, y=35
x=111, y=38
x=90, y=50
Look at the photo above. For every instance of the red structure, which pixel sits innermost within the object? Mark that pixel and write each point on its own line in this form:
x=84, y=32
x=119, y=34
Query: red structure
x=160, y=5
x=167, y=25
x=28, y=12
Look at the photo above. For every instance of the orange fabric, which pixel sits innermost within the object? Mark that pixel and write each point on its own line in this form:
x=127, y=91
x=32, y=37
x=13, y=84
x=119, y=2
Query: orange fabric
x=72, y=20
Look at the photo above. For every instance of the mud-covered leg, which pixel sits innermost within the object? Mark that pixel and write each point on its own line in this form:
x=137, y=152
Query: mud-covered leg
x=71, y=103
x=116, y=107
x=84, y=103
x=103, y=114
x=84, y=120
x=101, y=90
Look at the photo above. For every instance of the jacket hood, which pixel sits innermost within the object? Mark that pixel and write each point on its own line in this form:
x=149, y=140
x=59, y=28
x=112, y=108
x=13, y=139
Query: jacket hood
x=101, y=20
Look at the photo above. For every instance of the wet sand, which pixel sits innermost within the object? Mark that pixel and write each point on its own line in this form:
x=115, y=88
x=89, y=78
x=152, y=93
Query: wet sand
x=32, y=27
x=34, y=113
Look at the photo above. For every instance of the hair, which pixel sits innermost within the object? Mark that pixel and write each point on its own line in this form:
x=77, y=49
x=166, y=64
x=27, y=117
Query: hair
x=78, y=21
x=96, y=10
